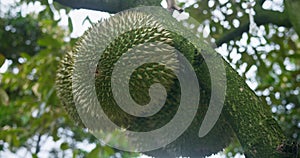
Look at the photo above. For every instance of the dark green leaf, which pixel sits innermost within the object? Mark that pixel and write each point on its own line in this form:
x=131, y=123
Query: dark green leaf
x=2, y=59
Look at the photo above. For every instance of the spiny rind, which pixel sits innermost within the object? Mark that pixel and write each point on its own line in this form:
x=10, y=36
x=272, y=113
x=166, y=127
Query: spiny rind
x=149, y=27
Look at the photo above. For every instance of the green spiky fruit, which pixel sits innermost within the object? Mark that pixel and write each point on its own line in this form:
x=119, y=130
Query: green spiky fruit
x=149, y=27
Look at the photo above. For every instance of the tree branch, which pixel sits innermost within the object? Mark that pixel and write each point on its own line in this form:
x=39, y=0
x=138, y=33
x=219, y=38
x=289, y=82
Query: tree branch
x=262, y=17
x=111, y=6
x=38, y=147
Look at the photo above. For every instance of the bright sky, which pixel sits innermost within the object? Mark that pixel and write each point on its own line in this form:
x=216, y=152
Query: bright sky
x=78, y=17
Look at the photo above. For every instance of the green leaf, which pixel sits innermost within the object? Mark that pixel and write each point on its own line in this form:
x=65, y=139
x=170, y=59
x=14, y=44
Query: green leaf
x=25, y=119
x=47, y=41
x=55, y=136
x=64, y=146
x=34, y=156
x=108, y=150
x=292, y=44
x=4, y=98
x=94, y=153
x=70, y=24
x=75, y=153
x=2, y=59
x=25, y=55
x=15, y=141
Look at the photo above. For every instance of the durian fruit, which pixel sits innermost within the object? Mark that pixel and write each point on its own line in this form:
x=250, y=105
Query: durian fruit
x=151, y=25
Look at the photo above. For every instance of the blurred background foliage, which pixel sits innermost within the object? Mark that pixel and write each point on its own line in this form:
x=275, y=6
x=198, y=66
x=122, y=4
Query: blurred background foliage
x=265, y=52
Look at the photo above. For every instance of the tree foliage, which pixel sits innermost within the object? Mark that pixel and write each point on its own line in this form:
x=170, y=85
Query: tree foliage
x=268, y=56
x=31, y=115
